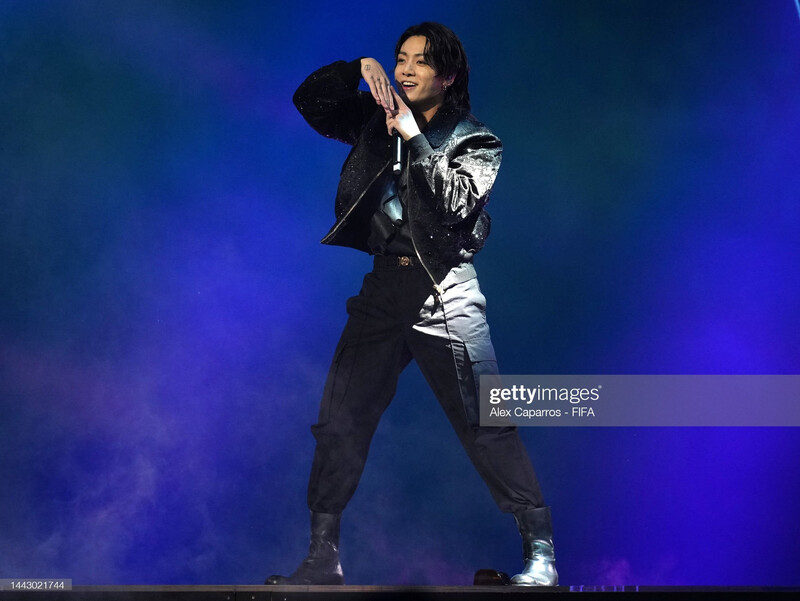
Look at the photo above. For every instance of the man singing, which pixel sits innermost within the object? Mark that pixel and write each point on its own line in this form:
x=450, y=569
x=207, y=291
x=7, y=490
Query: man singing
x=422, y=217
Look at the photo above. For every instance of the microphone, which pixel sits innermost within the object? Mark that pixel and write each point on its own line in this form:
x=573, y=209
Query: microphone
x=397, y=153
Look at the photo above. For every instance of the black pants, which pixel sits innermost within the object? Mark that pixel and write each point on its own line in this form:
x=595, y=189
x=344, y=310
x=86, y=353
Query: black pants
x=396, y=317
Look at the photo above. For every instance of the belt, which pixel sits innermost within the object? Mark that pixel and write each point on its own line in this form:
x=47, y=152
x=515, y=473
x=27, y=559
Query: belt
x=395, y=262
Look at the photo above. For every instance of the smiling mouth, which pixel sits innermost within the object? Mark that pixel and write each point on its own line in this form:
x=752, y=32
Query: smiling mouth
x=407, y=85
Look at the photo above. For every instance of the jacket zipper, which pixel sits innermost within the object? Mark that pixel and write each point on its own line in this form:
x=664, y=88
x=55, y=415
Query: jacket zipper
x=436, y=287
x=355, y=204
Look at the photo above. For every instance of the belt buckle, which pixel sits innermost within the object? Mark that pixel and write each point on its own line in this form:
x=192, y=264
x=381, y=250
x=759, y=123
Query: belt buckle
x=403, y=261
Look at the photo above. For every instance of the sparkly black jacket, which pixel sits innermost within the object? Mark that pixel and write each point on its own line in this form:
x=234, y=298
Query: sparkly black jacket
x=450, y=170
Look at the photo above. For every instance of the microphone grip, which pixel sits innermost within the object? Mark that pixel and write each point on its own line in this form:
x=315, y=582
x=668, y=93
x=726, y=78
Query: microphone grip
x=397, y=153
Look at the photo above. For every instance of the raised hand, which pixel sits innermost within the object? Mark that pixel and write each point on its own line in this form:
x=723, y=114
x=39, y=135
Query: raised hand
x=378, y=82
x=401, y=119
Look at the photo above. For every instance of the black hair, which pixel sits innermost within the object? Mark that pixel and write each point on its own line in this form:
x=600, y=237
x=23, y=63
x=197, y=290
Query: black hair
x=445, y=54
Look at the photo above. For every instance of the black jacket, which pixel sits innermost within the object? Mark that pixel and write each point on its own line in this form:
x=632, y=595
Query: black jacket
x=450, y=171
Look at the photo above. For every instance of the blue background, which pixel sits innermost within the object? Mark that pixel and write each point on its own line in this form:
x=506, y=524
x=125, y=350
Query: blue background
x=167, y=315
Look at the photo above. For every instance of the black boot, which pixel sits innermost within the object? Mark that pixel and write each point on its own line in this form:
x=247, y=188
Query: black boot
x=536, y=530
x=322, y=564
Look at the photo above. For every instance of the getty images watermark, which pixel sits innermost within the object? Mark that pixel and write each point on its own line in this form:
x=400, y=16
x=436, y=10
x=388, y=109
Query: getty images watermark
x=640, y=400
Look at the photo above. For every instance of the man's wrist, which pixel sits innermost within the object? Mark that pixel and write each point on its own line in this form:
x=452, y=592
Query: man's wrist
x=352, y=71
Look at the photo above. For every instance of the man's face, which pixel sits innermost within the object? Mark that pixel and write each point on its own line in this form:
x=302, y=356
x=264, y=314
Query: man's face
x=420, y=87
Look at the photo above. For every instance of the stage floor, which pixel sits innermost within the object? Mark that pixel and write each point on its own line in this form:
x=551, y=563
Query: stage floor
x=369, y=593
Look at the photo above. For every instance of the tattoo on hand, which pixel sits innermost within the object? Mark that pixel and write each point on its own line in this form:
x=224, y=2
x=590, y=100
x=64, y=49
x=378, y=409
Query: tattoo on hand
x=366, y=67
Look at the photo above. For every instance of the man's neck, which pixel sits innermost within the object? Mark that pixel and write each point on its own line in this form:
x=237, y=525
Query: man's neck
x=424, y=117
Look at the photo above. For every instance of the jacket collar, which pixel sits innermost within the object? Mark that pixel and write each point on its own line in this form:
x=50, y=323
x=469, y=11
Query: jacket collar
x=441, y=126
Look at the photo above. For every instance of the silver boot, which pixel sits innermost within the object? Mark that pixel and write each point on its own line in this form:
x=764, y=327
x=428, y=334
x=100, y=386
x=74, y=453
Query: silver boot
x=536, y=529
